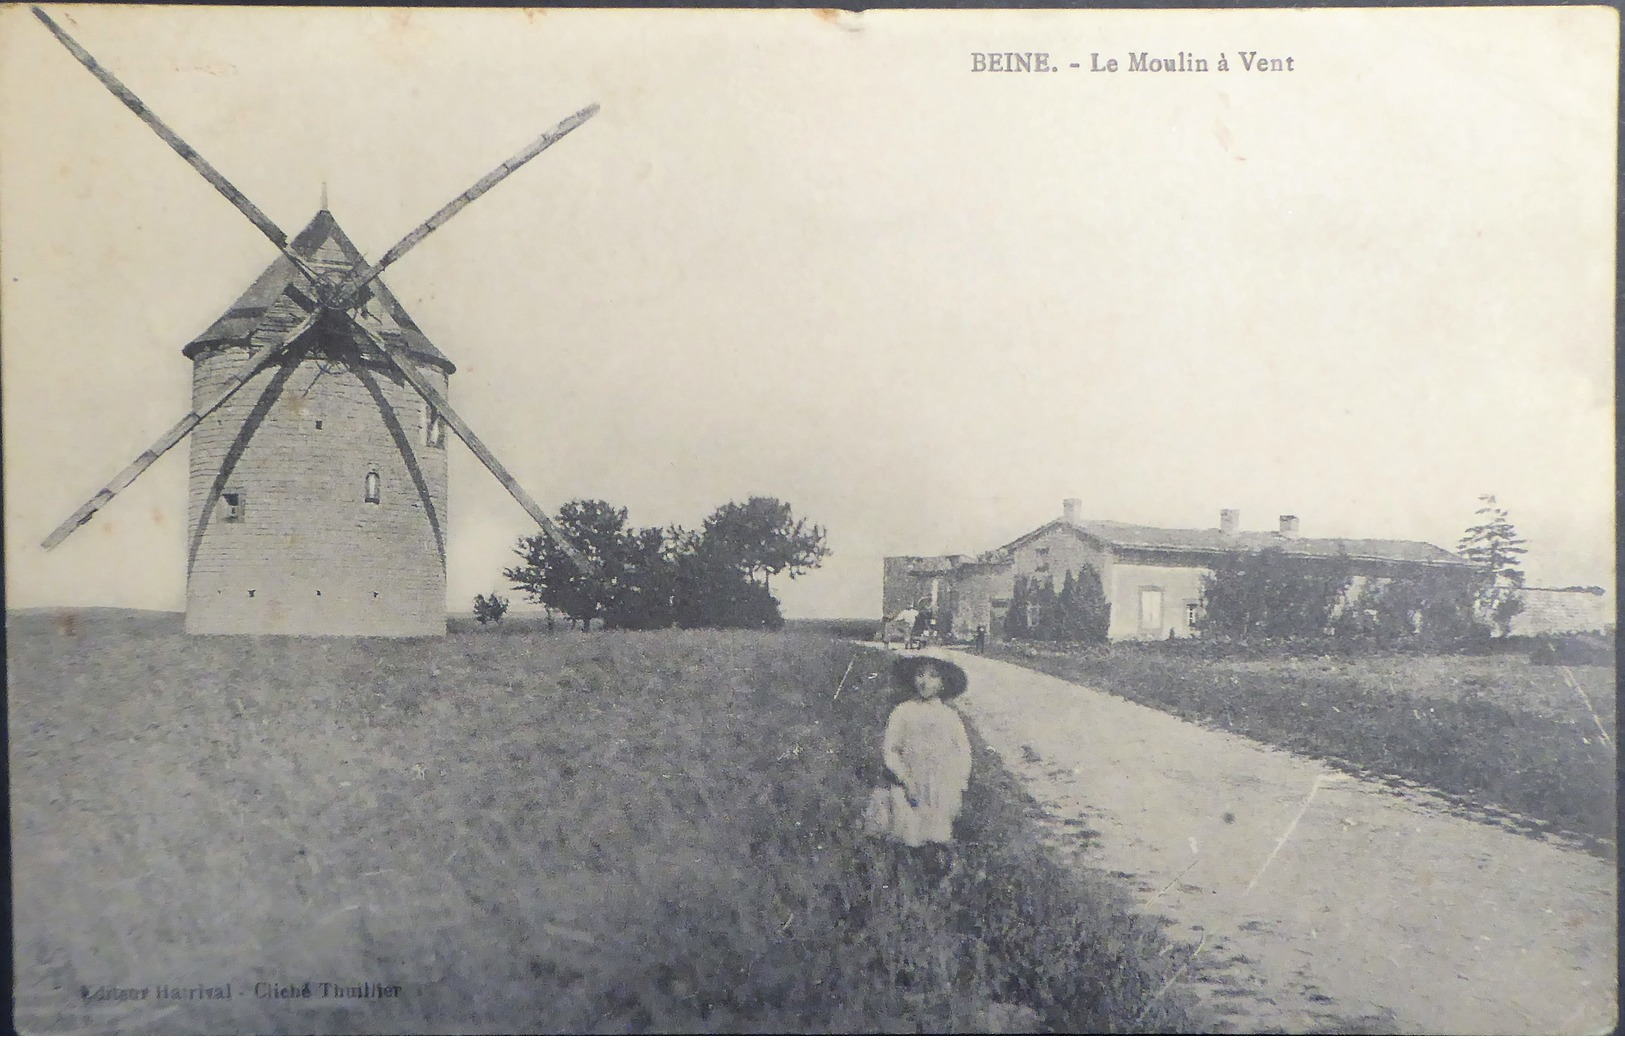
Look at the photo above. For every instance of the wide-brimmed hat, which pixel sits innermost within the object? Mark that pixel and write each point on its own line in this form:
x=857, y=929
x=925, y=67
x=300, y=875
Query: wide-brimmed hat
x=954, y=680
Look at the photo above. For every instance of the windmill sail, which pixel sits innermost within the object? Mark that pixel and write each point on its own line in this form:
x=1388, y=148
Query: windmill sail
x=455, y=206
x=176, y=434
x=227, y=189
x=466, y=434
x=315, y=297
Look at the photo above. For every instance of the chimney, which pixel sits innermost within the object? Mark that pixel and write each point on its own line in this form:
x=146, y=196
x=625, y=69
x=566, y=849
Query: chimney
x=1289, y=526
x=1071, y=508
x=1229, y=521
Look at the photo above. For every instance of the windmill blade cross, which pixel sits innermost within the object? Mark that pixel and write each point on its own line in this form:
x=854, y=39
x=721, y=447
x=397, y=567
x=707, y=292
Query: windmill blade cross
x=173, y=437
x=438, y=402
x=336, y=299
x=205, y=169
x=356, y=279
x=351, y=286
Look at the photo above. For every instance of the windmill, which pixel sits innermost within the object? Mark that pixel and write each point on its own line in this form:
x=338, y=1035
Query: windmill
x=318, y=486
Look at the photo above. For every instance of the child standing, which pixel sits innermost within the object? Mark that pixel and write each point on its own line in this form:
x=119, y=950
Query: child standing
x=927, y=751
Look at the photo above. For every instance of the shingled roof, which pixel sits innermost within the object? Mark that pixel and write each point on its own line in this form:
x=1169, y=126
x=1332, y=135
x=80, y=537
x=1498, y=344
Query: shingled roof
x=277, y=300
x=1563, y=610
x=1212, y=540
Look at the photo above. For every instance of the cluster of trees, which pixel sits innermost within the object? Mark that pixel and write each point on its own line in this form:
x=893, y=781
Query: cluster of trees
x=1265, y=594
x=1077, y=612
x=659, y=577
x=1268, y=594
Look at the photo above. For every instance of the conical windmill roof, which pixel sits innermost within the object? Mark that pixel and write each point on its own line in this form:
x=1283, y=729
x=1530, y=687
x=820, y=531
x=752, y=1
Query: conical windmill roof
x=273, y=305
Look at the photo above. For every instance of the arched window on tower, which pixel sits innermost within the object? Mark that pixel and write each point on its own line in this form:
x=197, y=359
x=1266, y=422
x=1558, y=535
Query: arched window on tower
x=434, y=428
x=372, y=487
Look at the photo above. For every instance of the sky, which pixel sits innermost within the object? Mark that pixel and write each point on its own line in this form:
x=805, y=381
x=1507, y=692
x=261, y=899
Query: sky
x=816, y=256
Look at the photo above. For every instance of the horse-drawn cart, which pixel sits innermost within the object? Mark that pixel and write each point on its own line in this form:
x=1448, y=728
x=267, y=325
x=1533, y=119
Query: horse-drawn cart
x=910, y=627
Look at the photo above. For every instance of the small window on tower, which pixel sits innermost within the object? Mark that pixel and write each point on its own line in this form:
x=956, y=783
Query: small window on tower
x=231, y=507
x=434, y=430
x=372, y=487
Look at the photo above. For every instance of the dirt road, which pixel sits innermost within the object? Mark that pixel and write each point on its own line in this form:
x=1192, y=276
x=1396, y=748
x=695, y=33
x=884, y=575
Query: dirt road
x=1320, y=900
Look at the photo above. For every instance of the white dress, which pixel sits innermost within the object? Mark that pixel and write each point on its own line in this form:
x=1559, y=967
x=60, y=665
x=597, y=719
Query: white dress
x=926, y=747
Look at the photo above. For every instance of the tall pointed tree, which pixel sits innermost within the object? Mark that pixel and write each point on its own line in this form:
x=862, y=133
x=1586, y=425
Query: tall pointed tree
x=1493, y=546
x=1015, y=618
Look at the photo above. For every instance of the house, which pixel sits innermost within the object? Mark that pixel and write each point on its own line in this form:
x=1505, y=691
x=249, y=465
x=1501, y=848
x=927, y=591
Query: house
x=1152, y=576
x=1561, y=611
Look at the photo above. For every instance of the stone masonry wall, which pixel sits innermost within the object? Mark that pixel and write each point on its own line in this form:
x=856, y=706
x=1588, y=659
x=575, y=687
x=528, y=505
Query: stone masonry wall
x=309, y=556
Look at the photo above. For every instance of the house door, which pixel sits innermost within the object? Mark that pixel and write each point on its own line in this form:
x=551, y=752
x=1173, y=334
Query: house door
x=1151, y=612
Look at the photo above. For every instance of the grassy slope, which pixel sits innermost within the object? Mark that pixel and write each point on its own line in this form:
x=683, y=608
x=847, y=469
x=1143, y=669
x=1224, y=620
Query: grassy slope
x=1495, y=731
x=611, y=832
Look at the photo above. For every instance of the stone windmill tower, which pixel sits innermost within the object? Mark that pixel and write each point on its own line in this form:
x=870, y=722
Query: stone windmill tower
x=318, y=490
x=317, y=493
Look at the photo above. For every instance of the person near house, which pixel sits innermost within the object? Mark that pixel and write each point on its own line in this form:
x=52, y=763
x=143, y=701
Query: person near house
x=902, y=624
x=927, y=754
x=923, y=621
x=981, y=638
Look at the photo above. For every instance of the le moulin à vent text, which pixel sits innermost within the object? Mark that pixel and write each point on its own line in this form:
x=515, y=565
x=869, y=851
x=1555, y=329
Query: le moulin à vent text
x=1134, y=61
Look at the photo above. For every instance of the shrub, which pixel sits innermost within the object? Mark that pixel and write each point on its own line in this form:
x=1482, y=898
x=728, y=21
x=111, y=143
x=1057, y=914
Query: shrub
x=1267, y=593
x=1085, y=616
x=489, y=609
x=1423, y=609
x=1015, y=620
x=1576, y=649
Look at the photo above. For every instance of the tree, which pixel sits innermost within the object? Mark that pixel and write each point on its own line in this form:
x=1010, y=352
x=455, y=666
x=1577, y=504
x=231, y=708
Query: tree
x=710, y=591
x=643, y=582
x=1430, y=608
x=1085, y=616
x=1015, y=618
x=1044, y=598
x=1494, y=549
x=762, y=537
x=629, y=585
x=1065, y=620
x=655, y=577
x=1272, y=595
x=489, y=609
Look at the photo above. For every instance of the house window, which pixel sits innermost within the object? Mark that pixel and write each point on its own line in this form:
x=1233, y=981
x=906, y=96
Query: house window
x=1043, y=559
x=1191, y=613
x=231, y=507
x=372, y=487
x=434, y=428
x=1151, y=609
x=1035, y=614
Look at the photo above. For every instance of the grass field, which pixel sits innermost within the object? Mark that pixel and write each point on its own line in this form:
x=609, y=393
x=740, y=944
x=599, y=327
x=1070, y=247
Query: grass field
x=610, y=832
x=1494, y=731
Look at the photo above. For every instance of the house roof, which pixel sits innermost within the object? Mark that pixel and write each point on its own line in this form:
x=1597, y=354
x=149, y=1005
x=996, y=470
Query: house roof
x=1547, y=611
x=278, y=299
x=1212, y=540
x=921, y=565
